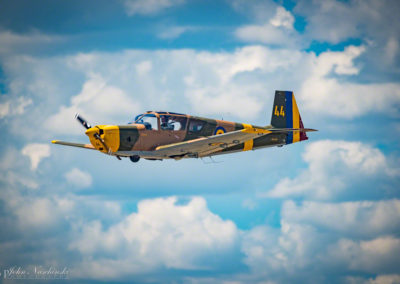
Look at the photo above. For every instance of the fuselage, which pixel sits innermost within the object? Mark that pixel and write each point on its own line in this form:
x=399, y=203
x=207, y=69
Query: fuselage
x=154, y=129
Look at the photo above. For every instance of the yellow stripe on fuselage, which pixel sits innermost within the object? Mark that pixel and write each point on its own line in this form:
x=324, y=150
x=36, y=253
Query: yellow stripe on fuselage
x=248, y=145
x=296, y=120
x=111, y=137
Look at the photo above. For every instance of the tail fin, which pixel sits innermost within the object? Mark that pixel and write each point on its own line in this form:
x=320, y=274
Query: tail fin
x=285, y=114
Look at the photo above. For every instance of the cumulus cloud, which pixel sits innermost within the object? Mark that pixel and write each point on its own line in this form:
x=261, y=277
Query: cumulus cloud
x=210, y=85
x=161, y=234
x=335, y=21
x=78, y=178
x=373, y=22
x=149, y=7
x=311, y=237
x=385, y=279
x=282, y=18
x=113, y=87
x=278, y=30
x=258, y=10
x=36, y=152
x=14, y=106
x=357, y=219
x=391, y=50
x=12, y=42
x=379, y=255
x=332, y=167
x=346, y=99
x=97, y=101
x=41, y=212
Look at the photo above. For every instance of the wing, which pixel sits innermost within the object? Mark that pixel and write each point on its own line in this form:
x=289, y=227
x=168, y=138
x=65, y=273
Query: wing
x=86, y=146
x=205, y=146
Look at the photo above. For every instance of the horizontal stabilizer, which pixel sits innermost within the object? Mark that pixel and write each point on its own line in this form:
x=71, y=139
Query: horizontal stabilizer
x=292, y=130
x=86, y=146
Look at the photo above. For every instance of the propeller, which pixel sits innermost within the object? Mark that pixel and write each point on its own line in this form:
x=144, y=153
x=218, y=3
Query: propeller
x=96, y=134
x=82, y=121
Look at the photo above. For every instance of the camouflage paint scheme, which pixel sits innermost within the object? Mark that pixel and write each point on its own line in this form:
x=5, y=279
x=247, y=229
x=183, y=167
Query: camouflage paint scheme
x=153, y=133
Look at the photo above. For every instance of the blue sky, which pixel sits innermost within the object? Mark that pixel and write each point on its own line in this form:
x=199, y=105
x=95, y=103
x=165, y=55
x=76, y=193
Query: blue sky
x=324, y=210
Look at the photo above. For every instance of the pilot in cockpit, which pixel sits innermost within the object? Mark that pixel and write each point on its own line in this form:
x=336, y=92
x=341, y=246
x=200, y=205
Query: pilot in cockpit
x=166, y=123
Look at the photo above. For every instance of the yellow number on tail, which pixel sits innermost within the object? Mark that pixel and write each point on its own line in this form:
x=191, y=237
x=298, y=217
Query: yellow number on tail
x=276, y=112
x=279, y=113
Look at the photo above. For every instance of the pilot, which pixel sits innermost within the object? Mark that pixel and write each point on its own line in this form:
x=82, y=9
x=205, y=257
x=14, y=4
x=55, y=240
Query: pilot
x=164, y=123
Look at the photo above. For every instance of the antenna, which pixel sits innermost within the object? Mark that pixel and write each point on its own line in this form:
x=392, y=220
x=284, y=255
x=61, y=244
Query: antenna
x=212, y=161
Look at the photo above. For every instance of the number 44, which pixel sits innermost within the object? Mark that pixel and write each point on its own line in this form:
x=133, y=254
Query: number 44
x=279, y=113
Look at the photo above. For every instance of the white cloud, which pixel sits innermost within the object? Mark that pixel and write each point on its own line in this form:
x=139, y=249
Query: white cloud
x=378, y=255
x=282, y=18
x=346, y=99
x=370, y=22
x=331, y=21
x=36, y=152
x=4, y=109
x=173, y=32
x=259, y=10
x=236, y=85
x=230, y=100
x=226, y=93
x=14, y=179
x=78, y=178
x=97, y=102
x=259, y=246
x=37, y=212
x=278, y=30
x=209, y=85
x=332, y=166
x=143, y=68
x=385, y=279
x=335, y=21
x=14, y=106
x=149, y=7
x=161, y=234
x=391, y=49
x=311, y=237
x=12, y=42
x=360, y=218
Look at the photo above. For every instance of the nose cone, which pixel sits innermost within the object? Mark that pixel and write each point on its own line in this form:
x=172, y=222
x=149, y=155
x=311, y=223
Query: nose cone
x=91, y=131
x=108, y=133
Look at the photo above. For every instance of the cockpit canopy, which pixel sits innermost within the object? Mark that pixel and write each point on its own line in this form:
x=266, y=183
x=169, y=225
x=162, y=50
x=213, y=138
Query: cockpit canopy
x=162, y=120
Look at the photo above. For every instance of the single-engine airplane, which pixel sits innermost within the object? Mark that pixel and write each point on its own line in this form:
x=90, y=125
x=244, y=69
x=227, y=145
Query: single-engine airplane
x=158, y=135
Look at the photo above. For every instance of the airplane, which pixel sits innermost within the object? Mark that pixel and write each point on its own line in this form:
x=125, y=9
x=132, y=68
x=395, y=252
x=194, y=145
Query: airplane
x=159, y=135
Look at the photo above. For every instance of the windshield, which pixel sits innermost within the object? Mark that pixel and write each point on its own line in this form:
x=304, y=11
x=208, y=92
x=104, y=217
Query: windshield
x=148, y=120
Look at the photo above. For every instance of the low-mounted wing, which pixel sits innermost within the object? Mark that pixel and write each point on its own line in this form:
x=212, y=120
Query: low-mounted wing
x=86, y=146
x=205, y=146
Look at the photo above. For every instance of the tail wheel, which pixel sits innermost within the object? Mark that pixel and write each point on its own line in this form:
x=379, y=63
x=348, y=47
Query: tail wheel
x=134, y=158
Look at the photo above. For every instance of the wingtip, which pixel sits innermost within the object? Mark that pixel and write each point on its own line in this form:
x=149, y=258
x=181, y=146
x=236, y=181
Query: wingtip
x=54, y=141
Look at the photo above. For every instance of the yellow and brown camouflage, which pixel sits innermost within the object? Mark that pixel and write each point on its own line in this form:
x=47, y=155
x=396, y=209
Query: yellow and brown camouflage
x=157, y=135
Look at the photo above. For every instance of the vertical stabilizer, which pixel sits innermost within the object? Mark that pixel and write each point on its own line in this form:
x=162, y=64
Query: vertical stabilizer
x=285, y=114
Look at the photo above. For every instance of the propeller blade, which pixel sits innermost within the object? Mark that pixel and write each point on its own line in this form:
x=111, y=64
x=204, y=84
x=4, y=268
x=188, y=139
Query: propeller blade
x=97, y=136
x=82, y=121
